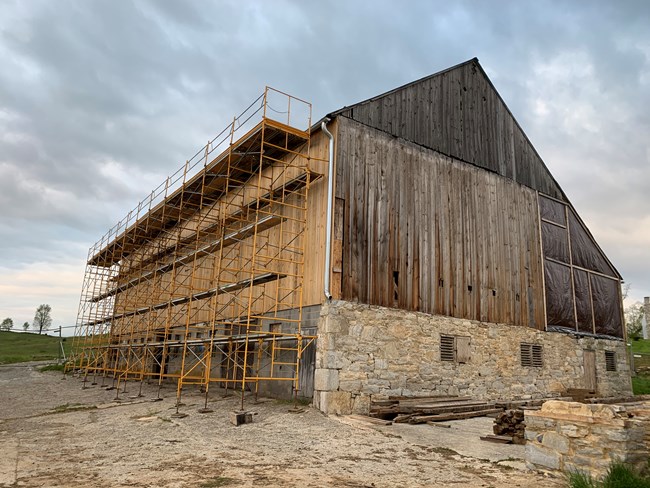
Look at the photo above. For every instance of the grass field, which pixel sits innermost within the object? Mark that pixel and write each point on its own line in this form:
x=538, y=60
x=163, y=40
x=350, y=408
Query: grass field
x=641, y=382
x=641, y=346
x=18, y=347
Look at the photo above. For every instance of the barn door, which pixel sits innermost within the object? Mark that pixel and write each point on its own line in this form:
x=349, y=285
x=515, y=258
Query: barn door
x=590, y=369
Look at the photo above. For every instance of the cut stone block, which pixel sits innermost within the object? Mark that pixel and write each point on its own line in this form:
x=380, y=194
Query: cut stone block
x=326, y=379
x=240, y=417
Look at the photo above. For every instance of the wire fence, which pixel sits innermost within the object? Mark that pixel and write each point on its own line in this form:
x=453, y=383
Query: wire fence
x=641, y=362
x=49, y=330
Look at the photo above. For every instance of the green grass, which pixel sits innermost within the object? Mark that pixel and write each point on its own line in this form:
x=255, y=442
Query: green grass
x=69, y=407
x=641, y=384
x=618, y=475
x=18, y=347
x=52, y=367
x=641, y=346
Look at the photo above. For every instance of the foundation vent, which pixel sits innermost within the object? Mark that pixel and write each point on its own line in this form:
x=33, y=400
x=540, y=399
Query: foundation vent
x=531, y=355
x=610, y=361
x=447, y=348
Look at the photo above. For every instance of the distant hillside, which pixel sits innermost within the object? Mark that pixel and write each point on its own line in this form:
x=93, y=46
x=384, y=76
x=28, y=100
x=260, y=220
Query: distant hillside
x=18, y=347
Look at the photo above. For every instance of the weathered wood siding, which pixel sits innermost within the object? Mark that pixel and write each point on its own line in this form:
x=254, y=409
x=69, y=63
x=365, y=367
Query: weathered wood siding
x=459, y=113
x=424, y=232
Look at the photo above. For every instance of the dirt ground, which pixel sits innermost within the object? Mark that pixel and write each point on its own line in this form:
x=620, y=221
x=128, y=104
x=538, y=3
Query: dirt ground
x=53, y=433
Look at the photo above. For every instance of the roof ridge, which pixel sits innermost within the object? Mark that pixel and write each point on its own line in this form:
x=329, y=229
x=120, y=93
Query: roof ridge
x=406, y=85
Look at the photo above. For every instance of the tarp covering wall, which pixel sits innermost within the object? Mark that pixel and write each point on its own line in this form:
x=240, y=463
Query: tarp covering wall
x=604, y=293
x=582, y=288
x=583, y=250
x=555, y=242
x=559, y=296
x=552, y=210
x=583, y=300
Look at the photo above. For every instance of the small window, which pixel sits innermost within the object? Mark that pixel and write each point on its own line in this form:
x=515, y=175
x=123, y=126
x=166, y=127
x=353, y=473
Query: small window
x=199, y=335
x=531, y=355
x=177, y=337
x=455, y=348
x=610, y=361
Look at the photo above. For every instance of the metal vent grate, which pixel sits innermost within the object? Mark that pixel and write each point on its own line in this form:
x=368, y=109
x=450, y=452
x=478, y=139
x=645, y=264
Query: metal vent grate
x=447, y=348
x=610, y=361
x=531, y=355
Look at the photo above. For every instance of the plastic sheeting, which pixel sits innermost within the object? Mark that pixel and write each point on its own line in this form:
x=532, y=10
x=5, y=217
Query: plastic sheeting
x=583, y=300
x=597, y=299
x=559, y=296
x=584, y=252
x=552, y=210
x=607, y=305
x=555, y=242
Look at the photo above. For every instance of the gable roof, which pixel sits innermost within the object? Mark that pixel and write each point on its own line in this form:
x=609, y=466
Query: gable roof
x=459, y=113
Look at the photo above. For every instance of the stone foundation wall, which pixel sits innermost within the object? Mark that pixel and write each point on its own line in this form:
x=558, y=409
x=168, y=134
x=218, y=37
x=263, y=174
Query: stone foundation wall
x=365, y=351
x=568, y=436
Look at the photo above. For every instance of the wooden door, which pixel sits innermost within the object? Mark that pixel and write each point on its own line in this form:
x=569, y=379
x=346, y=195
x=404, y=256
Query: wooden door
x=463, y=352
x=590, y=369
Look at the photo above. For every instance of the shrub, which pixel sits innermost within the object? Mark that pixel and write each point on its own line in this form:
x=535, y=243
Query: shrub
x=618, y=476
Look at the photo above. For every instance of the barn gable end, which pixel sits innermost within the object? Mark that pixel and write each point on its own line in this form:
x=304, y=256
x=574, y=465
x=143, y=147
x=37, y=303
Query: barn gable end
x=459, y=113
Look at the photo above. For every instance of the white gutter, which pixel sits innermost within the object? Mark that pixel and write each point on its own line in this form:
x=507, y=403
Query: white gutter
x=328, y=224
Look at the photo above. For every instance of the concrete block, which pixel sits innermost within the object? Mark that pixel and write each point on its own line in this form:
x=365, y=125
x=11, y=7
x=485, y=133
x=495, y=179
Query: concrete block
x=240, y=417
x=326, y=379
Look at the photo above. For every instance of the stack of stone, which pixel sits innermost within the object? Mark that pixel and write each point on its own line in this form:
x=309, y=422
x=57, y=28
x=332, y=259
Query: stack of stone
x=571, y=436
x=511, y=423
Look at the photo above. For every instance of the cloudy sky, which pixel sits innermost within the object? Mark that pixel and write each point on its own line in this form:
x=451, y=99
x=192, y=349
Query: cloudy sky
x=101, y=100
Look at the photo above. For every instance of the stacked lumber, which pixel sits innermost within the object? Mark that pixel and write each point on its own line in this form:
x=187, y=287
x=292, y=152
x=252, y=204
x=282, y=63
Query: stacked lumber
x=510, y=424
x=622, y=399
x=420, y=410
x=526, y=404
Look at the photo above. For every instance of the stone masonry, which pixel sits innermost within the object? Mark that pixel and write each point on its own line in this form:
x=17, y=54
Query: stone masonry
x=367, y=351
x=569, y=436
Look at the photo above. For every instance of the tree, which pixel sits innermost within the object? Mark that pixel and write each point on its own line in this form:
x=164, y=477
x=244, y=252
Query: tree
x=42, y=318
x=7, y=324
x=633, y=317
x=26, y=326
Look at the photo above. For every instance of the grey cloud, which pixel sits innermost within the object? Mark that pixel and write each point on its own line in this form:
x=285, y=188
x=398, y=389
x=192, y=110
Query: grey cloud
x=140, y=86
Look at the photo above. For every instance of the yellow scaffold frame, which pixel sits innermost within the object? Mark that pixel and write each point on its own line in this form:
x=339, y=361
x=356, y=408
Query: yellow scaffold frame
x=202, y=283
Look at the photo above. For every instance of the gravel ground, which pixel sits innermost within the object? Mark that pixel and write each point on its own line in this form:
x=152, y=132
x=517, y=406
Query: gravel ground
x=53, y=433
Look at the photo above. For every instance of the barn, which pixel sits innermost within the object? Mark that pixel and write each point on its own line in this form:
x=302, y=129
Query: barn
x=411, y=244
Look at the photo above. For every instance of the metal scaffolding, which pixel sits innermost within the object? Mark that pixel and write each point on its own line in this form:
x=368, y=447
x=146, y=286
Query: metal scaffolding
x=202, y=283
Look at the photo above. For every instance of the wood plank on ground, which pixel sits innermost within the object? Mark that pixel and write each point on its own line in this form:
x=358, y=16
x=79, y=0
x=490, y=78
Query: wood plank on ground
x=420, y=419
x=370, y=420
x=500, y=439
